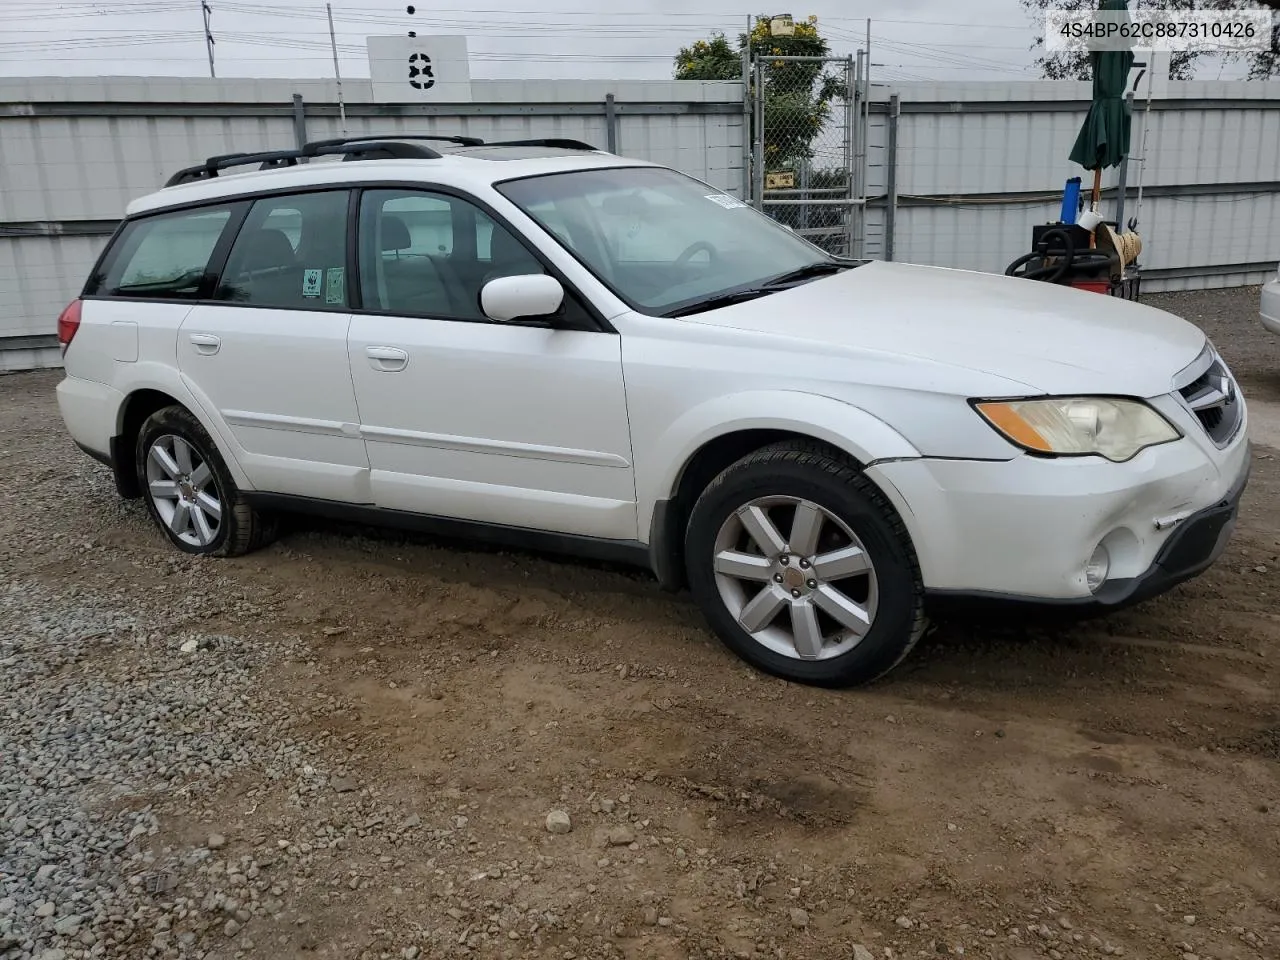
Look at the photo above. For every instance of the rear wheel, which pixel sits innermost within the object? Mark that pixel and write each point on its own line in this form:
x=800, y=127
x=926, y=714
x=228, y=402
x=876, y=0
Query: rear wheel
x=189, y=491
x=803, y=568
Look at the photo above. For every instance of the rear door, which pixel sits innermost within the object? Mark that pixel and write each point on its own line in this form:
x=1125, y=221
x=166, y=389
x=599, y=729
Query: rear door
x=472, y=419
x=147, y=281
x=268, y=355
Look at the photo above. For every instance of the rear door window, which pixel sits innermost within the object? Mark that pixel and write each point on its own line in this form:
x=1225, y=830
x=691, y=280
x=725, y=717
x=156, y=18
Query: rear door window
x=290, y=253
x=165, y=257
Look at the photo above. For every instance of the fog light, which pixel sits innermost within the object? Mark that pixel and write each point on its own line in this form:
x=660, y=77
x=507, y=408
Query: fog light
x=1096, y=570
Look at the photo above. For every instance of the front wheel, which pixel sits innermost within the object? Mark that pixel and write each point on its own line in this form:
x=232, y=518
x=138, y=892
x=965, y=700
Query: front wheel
x=803, y=568
x=190, y=492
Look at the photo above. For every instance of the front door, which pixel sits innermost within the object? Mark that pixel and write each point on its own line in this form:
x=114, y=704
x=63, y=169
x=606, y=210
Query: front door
x=270, y=355
x=471, y=419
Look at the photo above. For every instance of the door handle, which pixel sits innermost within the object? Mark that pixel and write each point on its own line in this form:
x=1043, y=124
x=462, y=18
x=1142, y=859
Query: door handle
x=206, y=344
x=387, y=359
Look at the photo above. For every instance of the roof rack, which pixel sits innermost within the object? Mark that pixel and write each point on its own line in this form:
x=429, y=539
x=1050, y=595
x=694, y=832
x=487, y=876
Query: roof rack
x=354, y=148
x=210, y=168
x=556, y=142
x=460, y=141
x=387, y=147
x=373, y=150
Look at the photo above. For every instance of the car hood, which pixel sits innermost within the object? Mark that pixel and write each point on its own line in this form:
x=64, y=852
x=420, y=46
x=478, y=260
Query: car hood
x=1052, y=338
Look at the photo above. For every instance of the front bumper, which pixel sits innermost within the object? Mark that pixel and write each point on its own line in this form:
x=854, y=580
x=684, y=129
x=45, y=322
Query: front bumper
x=1270, y=309
x=1023, y=531
x=1193, y=547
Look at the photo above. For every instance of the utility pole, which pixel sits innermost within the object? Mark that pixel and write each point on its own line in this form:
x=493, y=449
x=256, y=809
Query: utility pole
x=337, y=71
x=207, y=12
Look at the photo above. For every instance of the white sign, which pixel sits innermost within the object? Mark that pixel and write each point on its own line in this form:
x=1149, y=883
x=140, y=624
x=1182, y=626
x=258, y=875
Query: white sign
x=726, y=201
x=1197, y=31
x=429, y=69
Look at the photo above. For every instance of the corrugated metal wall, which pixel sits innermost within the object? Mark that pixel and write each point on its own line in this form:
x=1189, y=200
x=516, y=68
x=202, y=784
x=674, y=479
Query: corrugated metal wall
x=979, y=163
x=976, y=164
x=73, y=153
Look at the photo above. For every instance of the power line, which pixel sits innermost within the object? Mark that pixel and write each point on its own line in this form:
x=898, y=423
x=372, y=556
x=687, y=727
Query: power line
x=633, y=25
x=479, y=14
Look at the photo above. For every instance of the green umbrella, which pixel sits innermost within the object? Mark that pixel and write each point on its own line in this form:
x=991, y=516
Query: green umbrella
x=1104, y=139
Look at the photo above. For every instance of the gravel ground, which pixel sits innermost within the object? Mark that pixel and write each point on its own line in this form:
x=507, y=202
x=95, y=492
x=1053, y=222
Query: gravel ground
x=361, y=744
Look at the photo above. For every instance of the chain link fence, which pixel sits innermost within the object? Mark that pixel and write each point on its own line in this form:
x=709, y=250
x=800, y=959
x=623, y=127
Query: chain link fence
x=804, y=143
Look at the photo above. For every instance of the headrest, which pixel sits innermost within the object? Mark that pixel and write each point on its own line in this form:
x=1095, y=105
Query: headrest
x=268, y=248
x=395, y=234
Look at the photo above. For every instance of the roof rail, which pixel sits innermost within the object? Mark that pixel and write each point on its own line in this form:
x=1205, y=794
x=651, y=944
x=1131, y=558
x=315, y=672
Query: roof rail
x=210, y=168
x=373, y=150
x=354, y=148
x=460, y=141
x=385, y=147
x=556, y=142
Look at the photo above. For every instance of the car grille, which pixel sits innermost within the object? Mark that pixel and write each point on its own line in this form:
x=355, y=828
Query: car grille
x=1213, y=397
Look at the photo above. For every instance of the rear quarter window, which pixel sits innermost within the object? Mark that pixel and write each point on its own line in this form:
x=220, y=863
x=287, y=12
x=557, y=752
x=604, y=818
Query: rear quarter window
x=164, y=256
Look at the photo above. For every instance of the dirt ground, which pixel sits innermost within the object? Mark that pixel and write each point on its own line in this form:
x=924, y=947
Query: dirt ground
x=1010, y=792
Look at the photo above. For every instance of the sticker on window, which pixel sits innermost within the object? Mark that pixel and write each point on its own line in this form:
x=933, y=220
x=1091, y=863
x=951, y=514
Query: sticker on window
x=311, y=283
x=726, y=201
x=334, y=291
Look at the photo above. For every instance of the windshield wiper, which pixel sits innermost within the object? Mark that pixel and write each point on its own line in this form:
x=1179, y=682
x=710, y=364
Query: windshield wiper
x=719, y=300
x=820, y=268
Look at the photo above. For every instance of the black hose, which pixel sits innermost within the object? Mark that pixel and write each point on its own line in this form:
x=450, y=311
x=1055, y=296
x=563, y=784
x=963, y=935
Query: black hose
x=1051, y=274
x=1068, y=259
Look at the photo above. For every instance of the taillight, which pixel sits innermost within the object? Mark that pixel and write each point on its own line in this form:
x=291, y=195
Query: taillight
x=68, y=324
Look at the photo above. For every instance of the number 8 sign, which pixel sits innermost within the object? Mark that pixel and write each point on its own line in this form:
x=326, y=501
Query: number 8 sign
x=420, y=67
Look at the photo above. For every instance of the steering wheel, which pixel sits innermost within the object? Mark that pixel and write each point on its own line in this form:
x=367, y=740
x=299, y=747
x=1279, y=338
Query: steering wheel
x=694, y=248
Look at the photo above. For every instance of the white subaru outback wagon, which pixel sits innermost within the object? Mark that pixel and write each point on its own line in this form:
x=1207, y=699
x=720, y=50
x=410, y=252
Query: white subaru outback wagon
x=539, y=343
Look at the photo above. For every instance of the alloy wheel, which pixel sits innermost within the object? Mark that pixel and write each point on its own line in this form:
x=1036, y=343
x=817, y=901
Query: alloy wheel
x=809, y=593
x=184, y=491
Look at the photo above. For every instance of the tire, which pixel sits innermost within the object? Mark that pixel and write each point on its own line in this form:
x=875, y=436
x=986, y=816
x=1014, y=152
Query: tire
x=175, y=455
x=849, y=599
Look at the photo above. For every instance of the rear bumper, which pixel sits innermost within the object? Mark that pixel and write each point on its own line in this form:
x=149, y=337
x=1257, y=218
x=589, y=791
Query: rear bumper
x=90, y=411
x=1271, y=306
x=1193, y=547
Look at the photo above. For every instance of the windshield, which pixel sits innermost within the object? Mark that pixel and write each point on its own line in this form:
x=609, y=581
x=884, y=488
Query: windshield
x=661, y=240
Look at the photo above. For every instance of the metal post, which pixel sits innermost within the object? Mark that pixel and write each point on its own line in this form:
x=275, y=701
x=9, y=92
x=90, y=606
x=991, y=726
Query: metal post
x=860, y=147
x=1123, y=182
x=850, y=152
x=759, y=137
x=611, y=123
x=747, y=113
x=207, y=12
x=865, y=123
x=804, y=193
x=1142, y=147
x=337, y=71
x=299, y=122
x=891, y=177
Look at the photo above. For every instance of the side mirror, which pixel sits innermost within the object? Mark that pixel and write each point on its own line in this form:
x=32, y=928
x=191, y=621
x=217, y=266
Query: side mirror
x=521, y=298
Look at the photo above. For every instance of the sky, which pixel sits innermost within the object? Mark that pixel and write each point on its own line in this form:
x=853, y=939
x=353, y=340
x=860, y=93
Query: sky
x=939, y=40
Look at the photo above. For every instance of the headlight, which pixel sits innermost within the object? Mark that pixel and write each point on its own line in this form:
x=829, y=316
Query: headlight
x=1080, y=426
